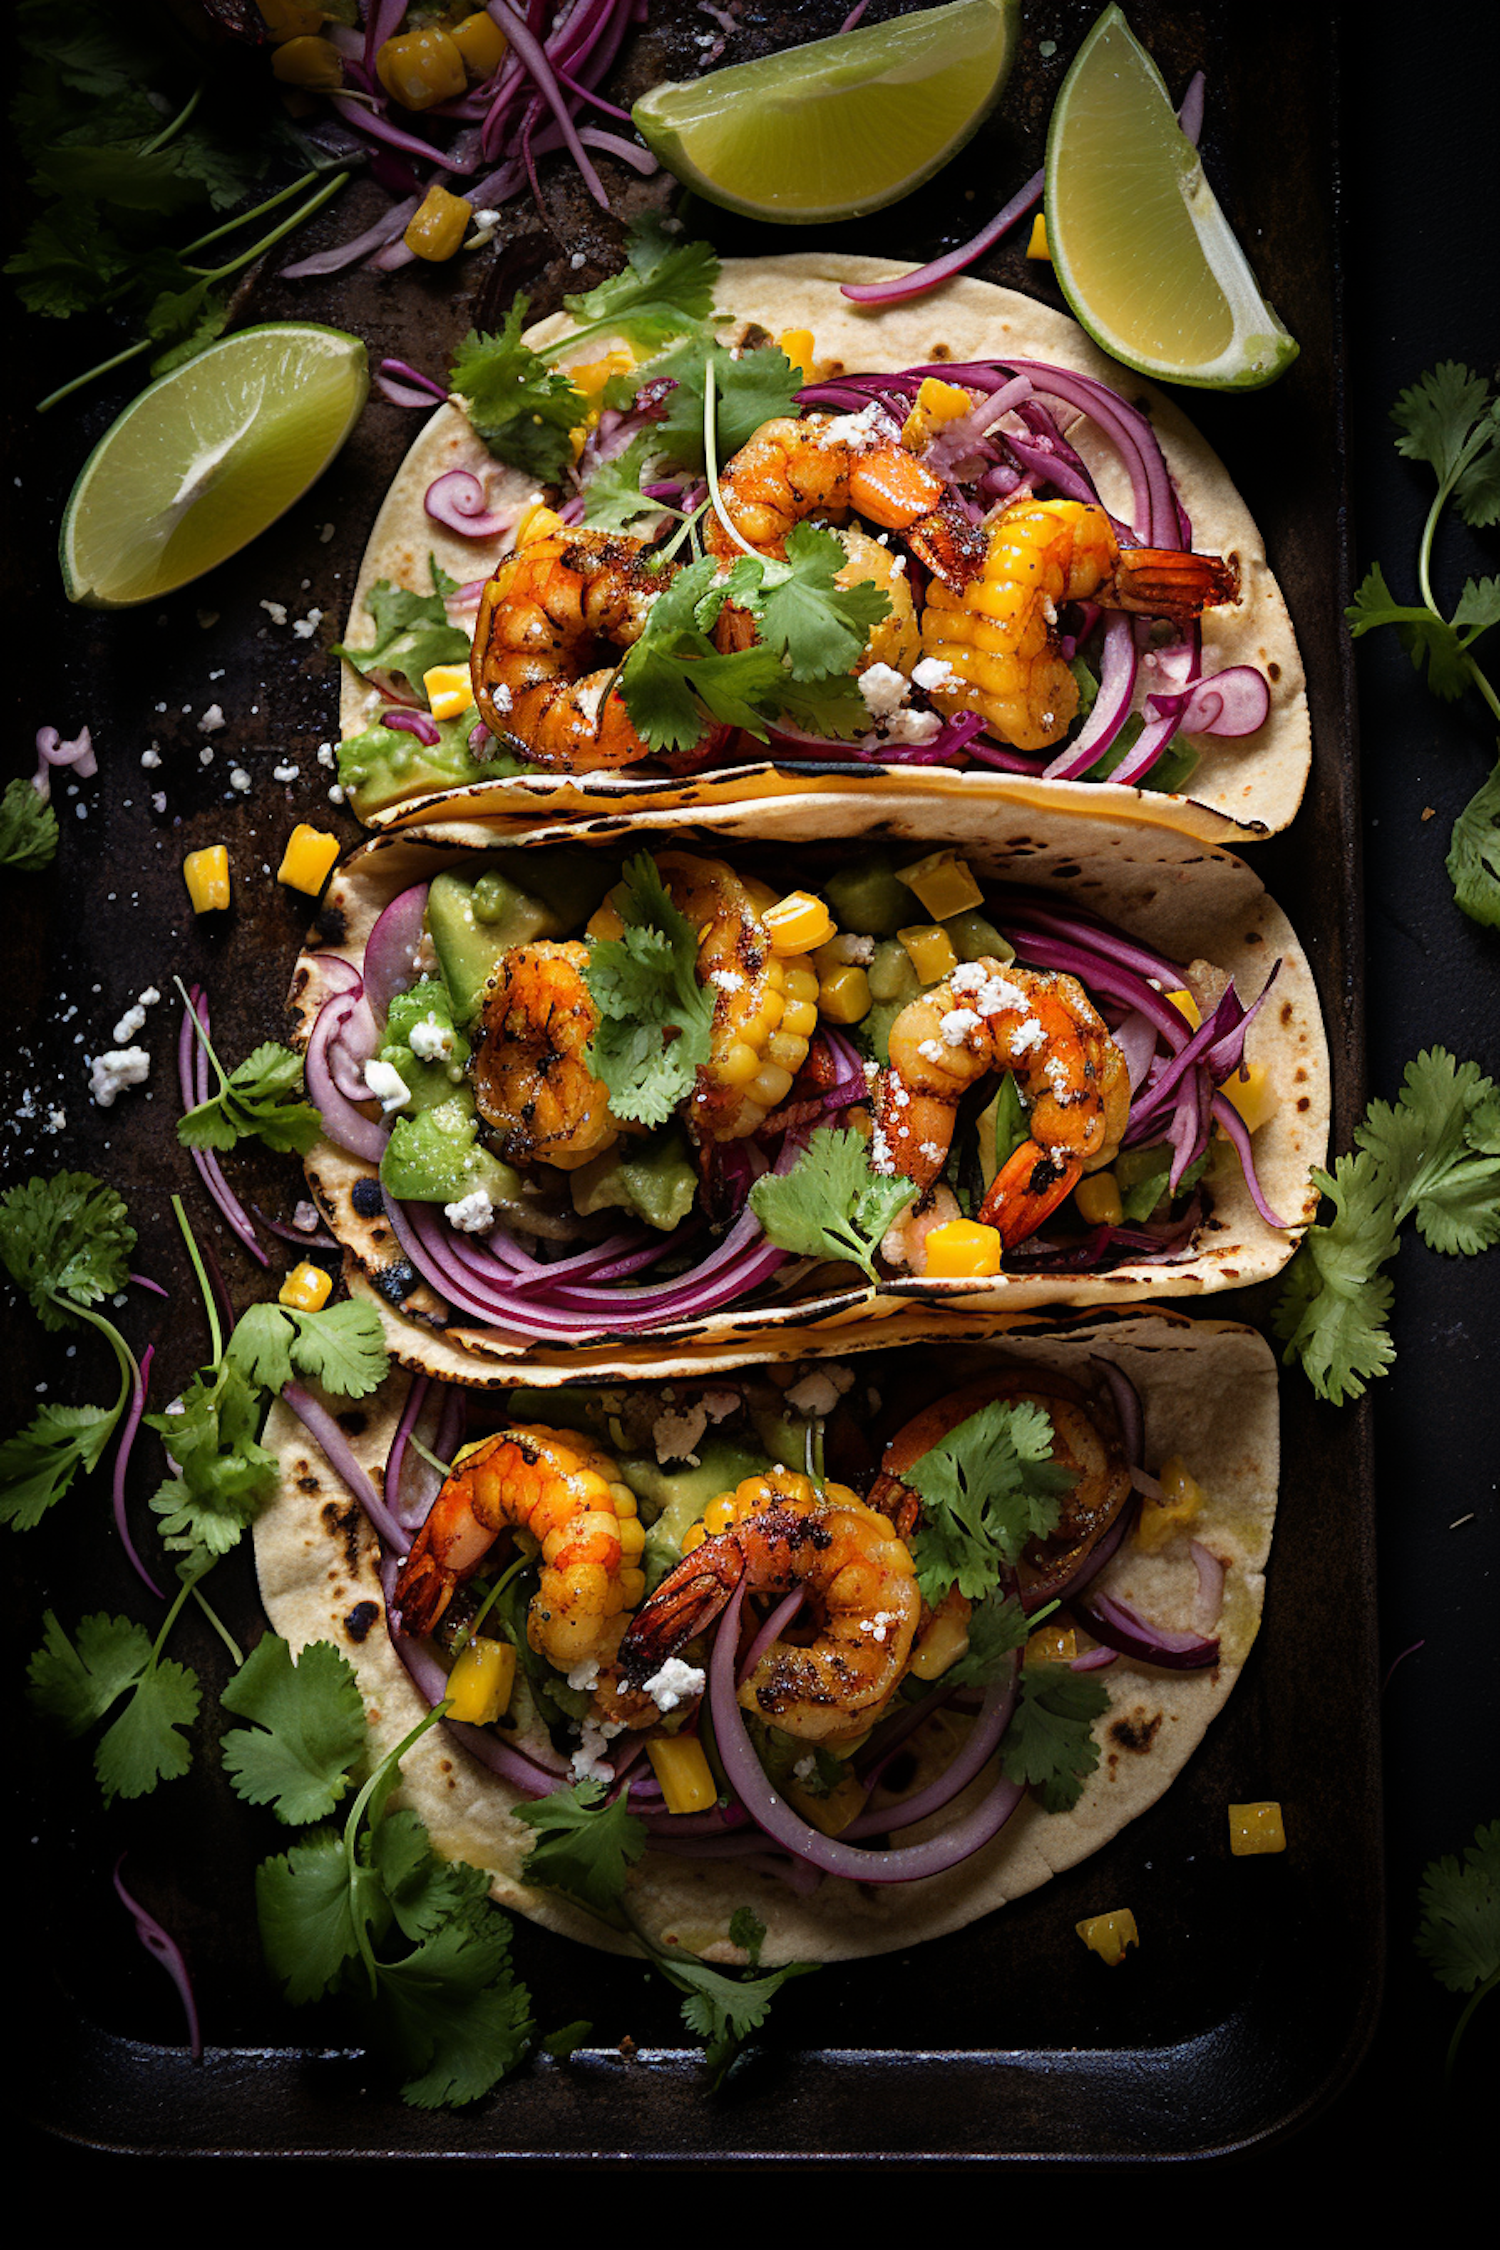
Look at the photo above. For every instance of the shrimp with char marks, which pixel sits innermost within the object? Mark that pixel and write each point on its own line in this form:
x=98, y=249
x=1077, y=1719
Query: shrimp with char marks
x=532, y=1082
x=1042, y=1028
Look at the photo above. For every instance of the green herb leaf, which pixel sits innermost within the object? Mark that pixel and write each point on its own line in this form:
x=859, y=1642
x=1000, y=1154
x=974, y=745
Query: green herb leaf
x=1334, y=1303
x=667, y=288
x=1474, y=854
x=67, y=1242
x=1439, y=1146
x=988, y=1489
x=518, y=405
x=832, y=1203
x=815, y=625
x=28, y=829
x=1447, y=420
x=1049, y=1744
x=1459, y=1933
x=76, y=1685
x=655, y=1017
x=760, y=386
x=306, y=1910
x=309, y=1728
x=584, y=1847
x=227, y=1475
x=38, y=1465
x=259, y=1100
x=413, y=632
x=723, y=2010
x=342, y=1348
x=998, y=1626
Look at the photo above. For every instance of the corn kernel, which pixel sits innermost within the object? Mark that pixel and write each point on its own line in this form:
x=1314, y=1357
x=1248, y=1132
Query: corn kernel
x=1180, y=1503
x=962, y=1251
x=834, y=1811
x=480, y=1683
x=290, y=19
x=1051, y=1644
x=683, y=1771
x=1253, y=1096
x=796, y=923
x=936, y=403
x=1098, y=1200
x=944, y=883
x=436, y=229
x=308, y=859
x=1256, y=1828
x=311, y=62
x=448, y=689
x=844, y=997
x=1037, y=246
x=539, y=522
x=206, y=875
x=481, y=42
x=797, y=343
x=930, y=951
x=1188, y=1005
x=1108, y=1935
x=306, y=1288
x=421, y=67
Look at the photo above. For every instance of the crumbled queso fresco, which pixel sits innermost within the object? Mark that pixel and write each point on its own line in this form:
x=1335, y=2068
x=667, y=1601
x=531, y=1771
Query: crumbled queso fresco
x=110, y=1074
x=675, y=1683
x=675, y=1433
x=472, y=1214
x=431, y=1040
x=387, y=1084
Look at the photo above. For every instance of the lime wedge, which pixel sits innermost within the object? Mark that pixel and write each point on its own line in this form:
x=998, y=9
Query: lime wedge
x=1145, y=256
x=206, y=458
x=840, y=126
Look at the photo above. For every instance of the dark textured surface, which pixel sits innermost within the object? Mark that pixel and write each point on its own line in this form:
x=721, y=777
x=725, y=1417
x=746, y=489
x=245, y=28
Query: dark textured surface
x=1263, y=1976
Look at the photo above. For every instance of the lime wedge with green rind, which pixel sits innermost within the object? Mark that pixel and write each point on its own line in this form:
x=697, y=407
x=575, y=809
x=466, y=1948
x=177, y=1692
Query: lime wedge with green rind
x=840, y=126
x=1145, y=256
x=206, y=458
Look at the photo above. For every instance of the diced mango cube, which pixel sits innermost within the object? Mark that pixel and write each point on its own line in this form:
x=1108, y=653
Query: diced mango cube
x=687, y=1783
x=539, y=522
x=1188, y=1005
x=943, y=1639
x=1098, y=1200
x=930, y=951
x=480, y=1683
x=798, y=922
x=481, y=42
x=935, y=404
x=1051, y=1644
x=206, y=874
x=436, y=229
x=448, y=689
x=306, y=1288
x=944, y=883
x=1180, y=1504
x=1253, y=1096
x=961, y=1251
x=308, y=859
x=835, y=1811
x=1256, y=1828
x=797, y=343
x=1036, y=246
x=844, y=997
x=591, y=375
x=1108, y=1935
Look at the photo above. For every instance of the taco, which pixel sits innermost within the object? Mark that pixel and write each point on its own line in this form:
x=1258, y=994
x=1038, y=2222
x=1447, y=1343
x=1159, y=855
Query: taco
x=648, y=1091
x=989, y=448
x=964, y=1706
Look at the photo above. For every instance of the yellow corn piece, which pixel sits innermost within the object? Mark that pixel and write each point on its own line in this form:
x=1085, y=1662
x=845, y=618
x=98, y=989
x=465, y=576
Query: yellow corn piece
x=306, y=1288
x=481, y=42
x=448, y=689
x=680, y=1766
x=480, y=1683
x=962, y=1251
x=1051, y=1644
x=1188, y=1005
x=1180, y=1503
x=844, y=996
x=798, y=922
x=1256, y=1828
x=310, y=62
x=1098, y=1200
x=835, y=1811
x=1253, y=1096
x=289, y=19
x=421, y=67
x=1037, y=246
x=944, y=883
x=206, y=875
x=436, y=229
x=936, y=402
x=1108, y=1935
x=930, y=951
x=797, y=343
x=539, y=522
x=308, y=859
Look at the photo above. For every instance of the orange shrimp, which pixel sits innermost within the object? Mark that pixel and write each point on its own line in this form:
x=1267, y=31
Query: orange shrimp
x=532, y=1082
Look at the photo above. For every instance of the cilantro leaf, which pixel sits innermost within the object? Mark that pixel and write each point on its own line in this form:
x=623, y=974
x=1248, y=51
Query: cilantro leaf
x=1459, y=1933
x=449, y=2015
x=1332, y=1310
x=1474, y=854
x=832, y=1203
x=988, y=1489
x=1440, y=1148
x=666, y=289
x=413, y=632
x=1424, y=635
x=306, y=1911
x=76, y=1684
x=998, y=1626
x=522, y=409
x=612, y=498
x=760, y=386
x=1447, y=420
x=584, y=1847
x=342, y=1348
x=309, y=1728
x=28, y=829
x=261, y=1099
x=40, y=1462
x=227, y=1475
x=66, y=1242
x=1049, y=1744
x=655, y=1018
x=144, y=1746
x=722, y=2009
x=818, y=626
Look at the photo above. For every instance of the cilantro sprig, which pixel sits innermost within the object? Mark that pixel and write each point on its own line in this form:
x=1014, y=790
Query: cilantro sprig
x=1459, y=1933
x=988, y=1489
x=1449, y=420
x=413, y=632
x=655, y=1018
x=76, y=1682
x=1049, y=1744
x=1432, y=1156
x=28, y=829
x=261, y=1099
x=831, y=1203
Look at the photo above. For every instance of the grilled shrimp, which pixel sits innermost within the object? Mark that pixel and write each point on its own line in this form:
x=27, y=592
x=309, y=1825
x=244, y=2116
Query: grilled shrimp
x=552, y=622
x=997, y=634
x=825, y=465
x=1039, y=1025
x=858, y=1577
x=532, y=1082
x=566, y=1492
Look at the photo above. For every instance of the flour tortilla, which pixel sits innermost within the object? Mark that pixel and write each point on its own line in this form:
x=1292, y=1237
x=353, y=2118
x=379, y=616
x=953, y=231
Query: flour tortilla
x=1242, y=789
x=1191, y=901
x=1209, y=1394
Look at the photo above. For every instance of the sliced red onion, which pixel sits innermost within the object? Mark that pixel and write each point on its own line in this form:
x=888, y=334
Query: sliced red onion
x=1238, y=1131
x=163, y=1947
x=971, y=1757
x=952, y=261
x=457, y=501
x=192, y=1080
x=530, y=51
x=1136, y=1039
x=346, y=1126
x=405, y=385
x=122, y=1457
x=1190, y=116
x=1120, y=1627
x=144, y=1281
x=1231, y=703
x=1211, y=1575
x=342, y=1459
x=1117, y=677
x=315, y=1237
x=420, y=723
x=359, y=246
x=391, y=949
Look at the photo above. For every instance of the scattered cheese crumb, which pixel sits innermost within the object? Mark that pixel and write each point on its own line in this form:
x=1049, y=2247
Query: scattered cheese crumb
x=110, y=1074
x=212, y=719
x=472, y=1214
x=387, y=1085
x=675, y=1683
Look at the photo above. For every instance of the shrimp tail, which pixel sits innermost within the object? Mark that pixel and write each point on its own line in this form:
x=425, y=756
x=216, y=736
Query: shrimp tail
x=951, y=547
x=423, y=1591
x=1026, y=1191
x=684, y=1605
x=1167, y=582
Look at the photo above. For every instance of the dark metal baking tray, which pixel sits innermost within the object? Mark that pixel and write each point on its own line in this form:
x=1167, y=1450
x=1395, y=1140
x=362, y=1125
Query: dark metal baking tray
x=1240, y=2015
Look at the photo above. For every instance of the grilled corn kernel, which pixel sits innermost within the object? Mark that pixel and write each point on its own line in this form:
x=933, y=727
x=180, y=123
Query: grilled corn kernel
x=306, y=1288
x=448, y=689
x=421, y=67
x=481, y=42
x=1180, y=1503
x=962, y=1251
x=835, y=1811
x=539, y=522
x=1037, y=246
x=1051, y=1644
x=437, y=227
x=1098, y=1200
x=1188, y=1005
x=936, y=402
x=289, y=19
x=1253, y=1096
x=206, y=875
x=633, y=1587
x=1108, y=1935
x=930, y=951
x=797, y=343
x=796, y=923
x=680, y=1766
x=309, y=62
x=944, y=1638
x=844, y=997
x=1256, y=1828
x=308, y=859
x=480, y=1683
x=944, y=883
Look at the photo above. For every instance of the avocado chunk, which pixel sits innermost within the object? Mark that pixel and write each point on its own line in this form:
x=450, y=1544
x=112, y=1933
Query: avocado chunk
x=435, y=1157
x=424, y=1013
x=974, y=938
x=676, y=1497
x=468, y=949
x=868, y=897
x=655, y=1179
x=381, y=765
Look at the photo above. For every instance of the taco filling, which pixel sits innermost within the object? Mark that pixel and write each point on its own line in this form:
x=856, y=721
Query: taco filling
x=599, y=1095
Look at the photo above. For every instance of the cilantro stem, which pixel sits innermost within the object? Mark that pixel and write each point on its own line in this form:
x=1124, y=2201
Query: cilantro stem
x=267, y=242
x=444, y=1468
x=217, y=1622
x=711, y=457
x=232, y=226
x=131, y=351
x=125, y=1358
x=1462, y=2025
x=1424, y=552
x=169, y=1621
x=682, y=531
x=468, y=1632
x=215, y=1333
x=356, y=1815
x=170, y=131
